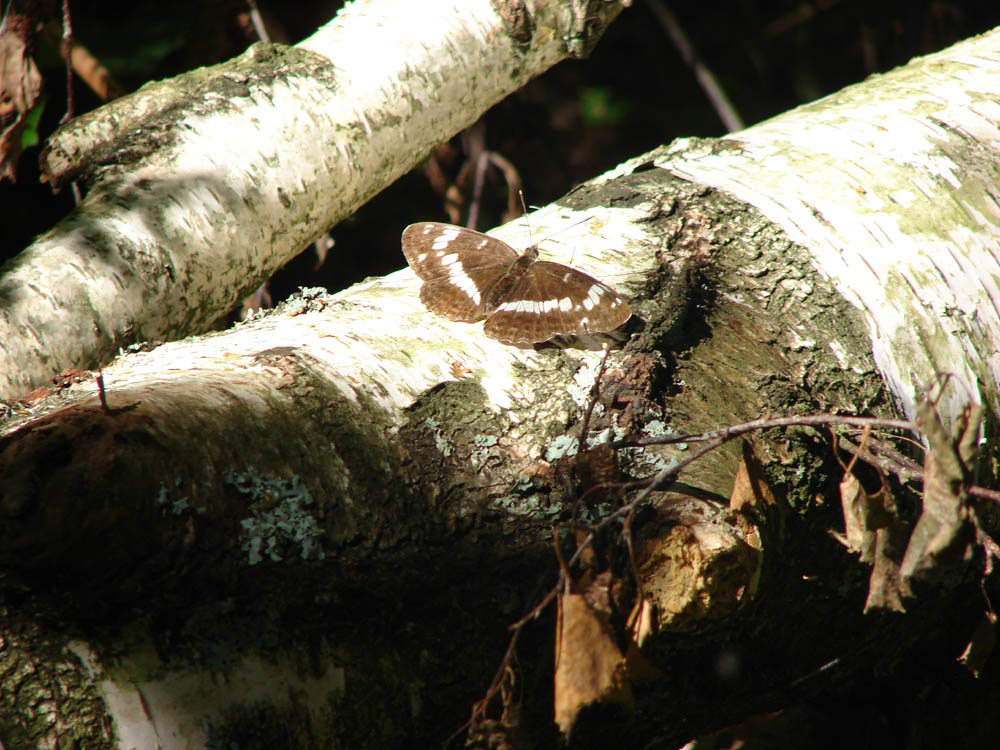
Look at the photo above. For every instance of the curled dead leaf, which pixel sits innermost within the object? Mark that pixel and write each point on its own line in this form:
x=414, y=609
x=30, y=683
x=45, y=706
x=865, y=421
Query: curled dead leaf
x=944, y=535
x=858, y=536
x=751, y=490
x=20, y=89
x=983, y=641
x=590, y=668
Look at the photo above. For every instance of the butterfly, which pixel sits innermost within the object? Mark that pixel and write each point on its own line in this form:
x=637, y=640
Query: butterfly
x=469, y=276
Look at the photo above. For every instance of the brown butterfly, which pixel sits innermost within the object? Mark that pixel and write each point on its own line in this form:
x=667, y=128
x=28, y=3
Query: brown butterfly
x=469, y=276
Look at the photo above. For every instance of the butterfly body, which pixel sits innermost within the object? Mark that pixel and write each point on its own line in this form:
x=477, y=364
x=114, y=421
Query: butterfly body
x=469, y=276
x=503, y=286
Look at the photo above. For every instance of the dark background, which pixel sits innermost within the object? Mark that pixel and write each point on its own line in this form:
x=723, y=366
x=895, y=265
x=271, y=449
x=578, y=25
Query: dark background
x=576, y=121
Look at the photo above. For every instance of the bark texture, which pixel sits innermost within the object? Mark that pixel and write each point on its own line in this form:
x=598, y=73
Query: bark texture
x=341, y=507
x=359, y=524
x=891, y=186
x=203, y=185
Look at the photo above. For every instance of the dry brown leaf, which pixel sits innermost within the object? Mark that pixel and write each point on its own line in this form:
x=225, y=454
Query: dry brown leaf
x=857, y=536
x=20, y=87
x=603, y=592
x=640, y=627
x=873, y=529
x=885, y=590
x=864, y=516
x=945, y=532
x=750, y=488
x=641, y=622
x=983, y=641
x=590, y=667
x=588, y=556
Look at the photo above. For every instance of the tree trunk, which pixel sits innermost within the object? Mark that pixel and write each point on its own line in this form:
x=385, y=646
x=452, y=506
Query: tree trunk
x=314, y=529
x=202, y=186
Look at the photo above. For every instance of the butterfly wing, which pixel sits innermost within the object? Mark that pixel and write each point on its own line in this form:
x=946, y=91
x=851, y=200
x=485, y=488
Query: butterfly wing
x=553, y=299
x=457, y=266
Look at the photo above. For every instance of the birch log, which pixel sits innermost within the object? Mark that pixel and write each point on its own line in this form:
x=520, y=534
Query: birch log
x=891, y=185
x=203, y=185
x=340, y=507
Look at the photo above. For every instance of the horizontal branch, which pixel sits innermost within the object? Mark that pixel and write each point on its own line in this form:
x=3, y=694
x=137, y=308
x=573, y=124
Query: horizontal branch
x=203, y=185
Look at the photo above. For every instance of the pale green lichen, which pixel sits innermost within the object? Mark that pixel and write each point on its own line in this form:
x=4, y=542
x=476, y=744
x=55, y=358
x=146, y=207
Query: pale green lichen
x=595, y=514
x=176, y=507
x=482, y=454
x=532, y=506
x=279, y=521
x=304, y=299
x=562, y=446
x=524, y=484
x=644, y=461
x=599, y=438
x=440, y=441
x=582, y=386
x=656, y=428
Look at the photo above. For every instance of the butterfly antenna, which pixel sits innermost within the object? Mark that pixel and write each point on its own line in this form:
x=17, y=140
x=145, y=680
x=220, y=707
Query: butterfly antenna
x=520, y=195
x=584, y=220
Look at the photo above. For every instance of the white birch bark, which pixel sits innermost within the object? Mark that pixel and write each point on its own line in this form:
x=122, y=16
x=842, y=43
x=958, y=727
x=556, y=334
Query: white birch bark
x=374, y=347
x=891, y=184
x=371, y=351
x=207, y=183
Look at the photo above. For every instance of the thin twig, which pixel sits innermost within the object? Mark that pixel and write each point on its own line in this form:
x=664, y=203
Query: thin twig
x=595, y=394
x=101, y=394
x=882, y=456
x=258, y=22
x=513, y=179
x=705, y=77
x=482, y=161
x=714, y=439
x=766, y=423
x=67, y=49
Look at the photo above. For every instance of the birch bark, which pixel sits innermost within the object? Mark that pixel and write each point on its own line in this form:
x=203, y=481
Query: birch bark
x=270, y=502
x=205, y=184
x=891, y=184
